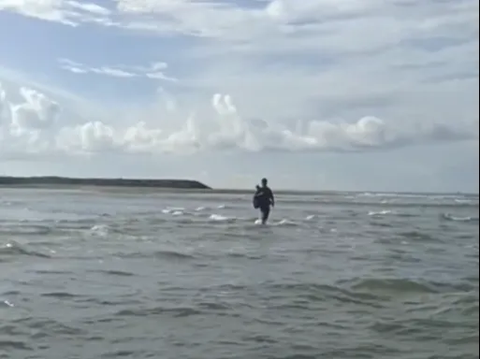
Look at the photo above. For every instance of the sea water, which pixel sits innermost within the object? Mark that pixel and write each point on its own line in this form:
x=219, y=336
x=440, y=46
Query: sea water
x=94, y=274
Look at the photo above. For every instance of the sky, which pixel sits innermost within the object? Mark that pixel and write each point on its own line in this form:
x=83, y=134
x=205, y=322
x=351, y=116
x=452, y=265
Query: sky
x=363, y=95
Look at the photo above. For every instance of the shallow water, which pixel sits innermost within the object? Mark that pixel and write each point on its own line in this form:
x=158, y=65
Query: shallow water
x=89, y=274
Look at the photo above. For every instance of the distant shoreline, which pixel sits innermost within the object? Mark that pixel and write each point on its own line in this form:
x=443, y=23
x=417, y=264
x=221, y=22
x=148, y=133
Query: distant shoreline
x=126, y=185
x=50, y=181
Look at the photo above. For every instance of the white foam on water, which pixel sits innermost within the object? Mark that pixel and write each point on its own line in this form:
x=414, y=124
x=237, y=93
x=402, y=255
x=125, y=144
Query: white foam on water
x=8, y=304
x=285, y=222
x=379, y=213
x=220, y=218
x=449, y=217
x=100, y=230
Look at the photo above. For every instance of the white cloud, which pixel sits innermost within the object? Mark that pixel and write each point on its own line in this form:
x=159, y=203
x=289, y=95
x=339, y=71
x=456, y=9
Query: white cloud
x=154, y=71
x=67, y=12
x=34, y=125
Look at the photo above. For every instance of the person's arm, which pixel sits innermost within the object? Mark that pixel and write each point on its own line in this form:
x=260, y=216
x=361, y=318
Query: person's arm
x=272, y=199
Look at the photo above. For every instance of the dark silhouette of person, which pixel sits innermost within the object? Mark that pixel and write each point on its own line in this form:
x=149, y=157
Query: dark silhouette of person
x=263, y=199
x=255, y=197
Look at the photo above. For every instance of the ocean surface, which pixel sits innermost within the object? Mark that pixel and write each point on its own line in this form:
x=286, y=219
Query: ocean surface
x=107, y=274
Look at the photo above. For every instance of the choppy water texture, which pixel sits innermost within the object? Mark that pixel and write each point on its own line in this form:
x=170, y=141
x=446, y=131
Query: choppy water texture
x=90, y=274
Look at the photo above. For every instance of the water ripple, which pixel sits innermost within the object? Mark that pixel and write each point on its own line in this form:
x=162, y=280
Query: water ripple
x=193, y=276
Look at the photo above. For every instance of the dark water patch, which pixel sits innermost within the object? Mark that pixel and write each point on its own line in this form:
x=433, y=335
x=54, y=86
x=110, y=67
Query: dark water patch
x=112, y=272
x=380, y=224
x=308, y=294
x=392, y=286
x=417, y=236
x=245, y=255
x=389, y=286
x=52, y=272
x=109, y=301
x=176, y=312
x=159, y=254
x=124, y=354
x=172, y=254
x=60, y=295
x=49, y=328
x=364, y=351
x=6, y=344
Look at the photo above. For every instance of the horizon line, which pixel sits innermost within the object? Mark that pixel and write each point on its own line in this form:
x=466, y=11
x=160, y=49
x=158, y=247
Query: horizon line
x=199, y=186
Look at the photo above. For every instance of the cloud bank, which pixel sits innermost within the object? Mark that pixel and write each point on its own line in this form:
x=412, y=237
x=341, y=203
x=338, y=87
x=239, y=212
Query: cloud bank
x=36, y=124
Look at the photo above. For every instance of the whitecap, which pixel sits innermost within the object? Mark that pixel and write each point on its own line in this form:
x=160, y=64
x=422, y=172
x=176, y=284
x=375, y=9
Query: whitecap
x=285, y=222
x=379, y=213
x=8, y=304
x=220, y=218
x=449, y=217
x=100, y=229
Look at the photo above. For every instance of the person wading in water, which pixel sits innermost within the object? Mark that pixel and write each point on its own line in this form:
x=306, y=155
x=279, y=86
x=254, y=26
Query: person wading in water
x=263, y=199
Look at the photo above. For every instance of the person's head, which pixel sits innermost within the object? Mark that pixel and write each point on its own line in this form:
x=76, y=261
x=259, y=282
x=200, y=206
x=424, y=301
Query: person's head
x=264, y=182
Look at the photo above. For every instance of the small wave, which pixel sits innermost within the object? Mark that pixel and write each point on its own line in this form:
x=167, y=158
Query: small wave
x=44, y=328
x=380, y=213
x=177, y=312
x=100, y=230
x=307, y=293
x=112, y=272
x=449, y=217
x=160, y=254
x=172, y=254
x=25, y=230
x=7, y=303
x=14, y=249
x=171, y=210
x=9, y=345
x=406, y=286
x=418, y=236
x=60, y=295
x=285, y=223
x=466, y=201
x=220, y=218
x=393, y=286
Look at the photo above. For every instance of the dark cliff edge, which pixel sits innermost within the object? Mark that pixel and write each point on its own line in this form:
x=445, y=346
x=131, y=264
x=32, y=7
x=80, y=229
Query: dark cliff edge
x=102, y=182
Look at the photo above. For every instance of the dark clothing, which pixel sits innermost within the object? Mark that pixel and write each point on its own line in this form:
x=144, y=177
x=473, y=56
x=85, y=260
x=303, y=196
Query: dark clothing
x=263, y=199
x=265, y=211
x=256, y=200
